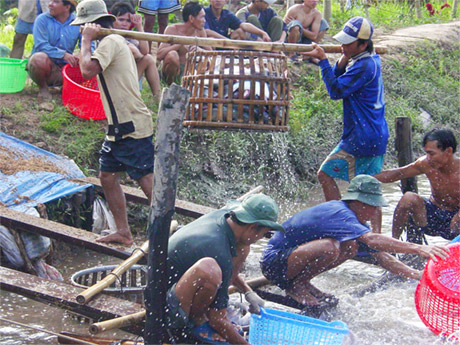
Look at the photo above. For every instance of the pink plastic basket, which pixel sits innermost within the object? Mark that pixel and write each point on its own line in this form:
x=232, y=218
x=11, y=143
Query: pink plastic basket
x=81, y=96
x=437, y=297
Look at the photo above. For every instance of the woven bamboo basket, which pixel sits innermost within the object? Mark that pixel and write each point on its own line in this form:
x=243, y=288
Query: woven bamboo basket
x=237, y=90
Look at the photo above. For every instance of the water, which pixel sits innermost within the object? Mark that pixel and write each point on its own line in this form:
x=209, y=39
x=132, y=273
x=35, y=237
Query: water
x=381, y=318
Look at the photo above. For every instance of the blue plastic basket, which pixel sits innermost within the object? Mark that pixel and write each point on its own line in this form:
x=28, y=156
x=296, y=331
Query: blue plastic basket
x=276, y=327
x=456, y=239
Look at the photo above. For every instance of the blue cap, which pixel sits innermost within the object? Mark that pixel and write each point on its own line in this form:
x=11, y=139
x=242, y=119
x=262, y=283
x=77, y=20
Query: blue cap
x=356, y=28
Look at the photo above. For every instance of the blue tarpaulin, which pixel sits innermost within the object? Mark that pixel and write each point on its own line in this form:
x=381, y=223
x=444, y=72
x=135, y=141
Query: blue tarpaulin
x=25, y=188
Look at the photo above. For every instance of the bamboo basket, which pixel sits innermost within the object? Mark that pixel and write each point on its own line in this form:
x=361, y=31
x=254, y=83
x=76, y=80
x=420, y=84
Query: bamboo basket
x=237, y=90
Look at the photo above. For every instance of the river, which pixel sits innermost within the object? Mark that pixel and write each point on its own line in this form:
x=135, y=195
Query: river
x=381, y=318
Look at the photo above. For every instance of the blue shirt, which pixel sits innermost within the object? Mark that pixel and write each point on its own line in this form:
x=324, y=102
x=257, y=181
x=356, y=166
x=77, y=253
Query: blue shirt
x=332, y=219
x=226, y=20
x=55, y=38
x=365, y=130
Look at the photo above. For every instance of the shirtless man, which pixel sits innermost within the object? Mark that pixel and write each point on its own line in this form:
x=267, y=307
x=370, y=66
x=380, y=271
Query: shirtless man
x=440, y=215
x=172, y=56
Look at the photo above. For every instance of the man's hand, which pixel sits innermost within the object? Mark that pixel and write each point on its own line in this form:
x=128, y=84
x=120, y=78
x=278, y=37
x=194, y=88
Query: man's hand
x=434, y=252
x=266, y=37
x=90, y=31
x=317, y=52
x=255, y=302
x=136, y=19
x=71, y=59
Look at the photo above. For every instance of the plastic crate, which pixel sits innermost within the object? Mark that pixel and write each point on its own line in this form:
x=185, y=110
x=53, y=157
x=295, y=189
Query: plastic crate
x=12, y=75
x=276, y=327
x=81, y=96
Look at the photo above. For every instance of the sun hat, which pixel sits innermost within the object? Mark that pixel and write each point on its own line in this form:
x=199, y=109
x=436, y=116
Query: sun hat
x=365, y=188
x=356, y=28
x=260, y=209
x=73, y=2
x=90, y=10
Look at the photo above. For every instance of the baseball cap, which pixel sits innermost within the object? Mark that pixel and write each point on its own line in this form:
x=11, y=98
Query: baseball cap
x=367, y=189
x=90, y=10
x=258, y=208
x=356, y=28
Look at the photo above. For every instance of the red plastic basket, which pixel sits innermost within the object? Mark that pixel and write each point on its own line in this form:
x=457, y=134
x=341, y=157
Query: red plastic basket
x=81, y=96
x=437, y=297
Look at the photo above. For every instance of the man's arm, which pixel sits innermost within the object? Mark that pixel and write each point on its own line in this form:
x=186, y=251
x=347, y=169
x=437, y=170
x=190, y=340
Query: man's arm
x=89, y=67
x=248, y=27
x=291, y=14
x=213, y=34
x=165, y=48
x=455, y=224
x=410, y=170
x=219, y=321
x=315, y=25
x=136, y=19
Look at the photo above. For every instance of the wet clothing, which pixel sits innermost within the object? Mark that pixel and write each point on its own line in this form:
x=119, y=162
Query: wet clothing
x=55, y=38
x=176, y=316
x=340, y=164
x=154, y=7
x=360, y=85
x=227, y=20
x=302, y=39
x=208, y=236
x=267, y=20
x=438, y=221
x=332, y=219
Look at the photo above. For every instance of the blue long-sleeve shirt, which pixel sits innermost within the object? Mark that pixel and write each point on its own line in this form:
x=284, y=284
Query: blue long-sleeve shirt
x=55, y=38
x=365, y=130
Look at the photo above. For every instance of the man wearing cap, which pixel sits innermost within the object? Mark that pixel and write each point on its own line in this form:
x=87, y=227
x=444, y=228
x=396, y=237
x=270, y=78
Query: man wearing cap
x=128, y=144
x=324, y=236
x=204, y=258
x=356, y=78
x=54, y=43
x=260, y=14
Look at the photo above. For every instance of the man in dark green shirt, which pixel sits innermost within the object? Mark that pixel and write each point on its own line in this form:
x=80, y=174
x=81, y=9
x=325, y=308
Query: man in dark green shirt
x=204, y=259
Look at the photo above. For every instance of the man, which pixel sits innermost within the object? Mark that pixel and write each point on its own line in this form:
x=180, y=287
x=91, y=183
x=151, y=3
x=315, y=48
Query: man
x=204, y=258
x=260, y=14
x=27, y=12
x=305, y=24
x=440, y=214
x=220, y=21
x=54, y=43
x=126, y=18
x=324, y=236
x=173, y=56
x=356, y=79
x=128, y=145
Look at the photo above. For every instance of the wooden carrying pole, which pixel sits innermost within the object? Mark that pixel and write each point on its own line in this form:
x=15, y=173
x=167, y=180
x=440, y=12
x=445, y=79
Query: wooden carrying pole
x=89, y=293
x=229, y=44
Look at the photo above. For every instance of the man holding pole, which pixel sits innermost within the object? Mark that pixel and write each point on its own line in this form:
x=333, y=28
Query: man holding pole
x=128, y=145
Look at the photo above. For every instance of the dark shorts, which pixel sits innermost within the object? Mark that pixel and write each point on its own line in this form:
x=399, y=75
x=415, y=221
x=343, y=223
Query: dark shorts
x=176, y=316
x=274, y=265
x=438, y=221
x=135, y=156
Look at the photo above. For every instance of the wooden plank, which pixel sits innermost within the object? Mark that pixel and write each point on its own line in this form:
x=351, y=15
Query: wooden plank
x=185, y=208
x=62, y=295
x=24, y=222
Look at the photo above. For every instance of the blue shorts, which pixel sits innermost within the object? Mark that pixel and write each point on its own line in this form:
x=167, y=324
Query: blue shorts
x=23, y=27
x=135, y=156
x=154, y=7
x=340, y=164
x=274, y=266
x=302, y=39
x=175, y=315
x=438, y=221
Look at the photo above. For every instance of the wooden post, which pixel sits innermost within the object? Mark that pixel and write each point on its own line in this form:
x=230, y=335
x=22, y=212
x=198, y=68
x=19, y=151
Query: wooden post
x=327, y=10
x=454, y=9
x=168, y=135
x=403, y=145
x=418, y=9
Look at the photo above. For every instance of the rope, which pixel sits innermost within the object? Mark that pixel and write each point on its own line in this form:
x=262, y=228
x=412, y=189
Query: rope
x=119, y=281
x=138, y=248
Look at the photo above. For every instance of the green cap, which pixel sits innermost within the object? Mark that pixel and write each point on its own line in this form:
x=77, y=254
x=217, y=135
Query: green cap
x=365, y=188
x=260, y=209
x=89, y=11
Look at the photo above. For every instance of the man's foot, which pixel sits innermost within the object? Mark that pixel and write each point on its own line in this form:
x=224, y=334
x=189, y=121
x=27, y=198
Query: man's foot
x=44, y=96
x=304, y=298
x=116, y=237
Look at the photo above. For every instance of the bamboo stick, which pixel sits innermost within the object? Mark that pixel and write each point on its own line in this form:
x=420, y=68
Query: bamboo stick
x=221, y=43
x=256, y=190
x=89, y=293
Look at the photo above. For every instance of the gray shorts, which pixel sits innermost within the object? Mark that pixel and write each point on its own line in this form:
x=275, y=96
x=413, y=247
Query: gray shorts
x=176, y=316
x=302, y=39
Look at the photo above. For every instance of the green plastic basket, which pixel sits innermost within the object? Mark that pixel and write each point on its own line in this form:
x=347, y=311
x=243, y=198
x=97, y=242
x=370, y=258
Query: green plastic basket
x=12, y=75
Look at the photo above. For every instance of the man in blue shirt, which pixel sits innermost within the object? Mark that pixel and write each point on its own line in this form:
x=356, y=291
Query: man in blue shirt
x=324, y=236
x=220, y=21
x=54, y=43
x=356, y=79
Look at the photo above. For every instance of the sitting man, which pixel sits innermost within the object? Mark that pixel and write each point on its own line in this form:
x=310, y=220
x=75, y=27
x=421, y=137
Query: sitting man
x=220, y=21
x=204, y=258
x=324, y=236
x=440, y=214
x=260, y=14
x=54, y=43
x=126, y=17
x=172, y=56
x=305, y=24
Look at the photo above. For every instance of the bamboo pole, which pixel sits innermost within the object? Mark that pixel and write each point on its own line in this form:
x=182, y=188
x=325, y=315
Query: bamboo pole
x=89, y=293
x=230, y=44
x=258, y=189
